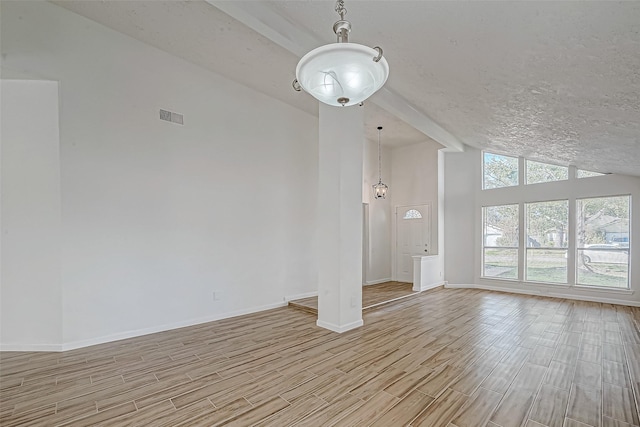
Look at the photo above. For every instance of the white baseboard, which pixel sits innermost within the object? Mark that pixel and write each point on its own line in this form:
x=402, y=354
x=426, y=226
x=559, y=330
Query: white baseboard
x=459, y=286
x=340, y=329
x=539, y=293
x=31, y=347
x=136, y=333
x=376, y=282
x=300, y=296
x=131, y=334
x=430, y=286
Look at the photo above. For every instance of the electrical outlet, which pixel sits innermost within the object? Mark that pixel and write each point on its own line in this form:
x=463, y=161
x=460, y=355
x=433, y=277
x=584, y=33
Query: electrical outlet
x=353, y=302
x=216, y=296
x=169, y=116
x=177, y=118
x=165, y=115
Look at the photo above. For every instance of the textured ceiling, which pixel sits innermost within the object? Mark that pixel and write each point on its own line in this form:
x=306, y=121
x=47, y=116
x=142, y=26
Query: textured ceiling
x=554, y=81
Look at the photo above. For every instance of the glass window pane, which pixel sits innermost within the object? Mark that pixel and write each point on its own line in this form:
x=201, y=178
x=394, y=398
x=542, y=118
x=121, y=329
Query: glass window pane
x=501, y=263
x=547, y=228
x=603, y=221
x=501, y=226
x=587, y=174
x=547, y=224
x=546, y=265
x=500, y=252
x=412, y=214
x=608, y=268
x=603, y=240
x=499, y=171
x=544, y=172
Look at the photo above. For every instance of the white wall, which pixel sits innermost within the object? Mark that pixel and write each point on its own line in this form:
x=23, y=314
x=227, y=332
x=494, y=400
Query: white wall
x=157, y=216
x=461, y=172
x=378, y=255
x=464, y=199
x=414, y=174
x=30, y=314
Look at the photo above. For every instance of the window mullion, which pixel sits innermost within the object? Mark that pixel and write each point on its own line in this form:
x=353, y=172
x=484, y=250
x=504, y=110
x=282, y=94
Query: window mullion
x=571, y=250
x=521, y=241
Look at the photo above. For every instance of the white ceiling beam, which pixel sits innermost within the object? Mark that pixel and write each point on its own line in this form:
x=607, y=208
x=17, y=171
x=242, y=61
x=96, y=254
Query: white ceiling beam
x=262, y=18
x=401, y=108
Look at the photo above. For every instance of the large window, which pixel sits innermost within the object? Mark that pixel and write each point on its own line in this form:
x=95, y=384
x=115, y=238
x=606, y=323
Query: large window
x=602, y=241
x=500, y=247
x=499, y=171
x=544, y=172
x=547, y=241
x=531, y=236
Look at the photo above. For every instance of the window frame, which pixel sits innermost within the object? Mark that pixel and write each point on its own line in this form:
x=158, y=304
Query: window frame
x=577, y=248
x=598, y=174
x=485, y=247
x=518, y=170
x=526, y=246
x=526, y=172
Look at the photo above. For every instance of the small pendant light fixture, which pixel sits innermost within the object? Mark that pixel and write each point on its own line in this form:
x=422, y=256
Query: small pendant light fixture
x=342, y=73
x=380, y=189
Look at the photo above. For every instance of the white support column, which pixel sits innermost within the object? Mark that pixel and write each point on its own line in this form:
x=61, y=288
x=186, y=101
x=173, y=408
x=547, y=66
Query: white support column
x=341, y=147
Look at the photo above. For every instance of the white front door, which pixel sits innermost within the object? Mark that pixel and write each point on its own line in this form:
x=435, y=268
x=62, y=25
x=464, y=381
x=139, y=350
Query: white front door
x=413, y=237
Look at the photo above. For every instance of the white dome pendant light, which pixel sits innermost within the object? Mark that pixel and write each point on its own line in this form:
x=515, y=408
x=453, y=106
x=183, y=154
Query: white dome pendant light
x=380, y=189
x=342, y=73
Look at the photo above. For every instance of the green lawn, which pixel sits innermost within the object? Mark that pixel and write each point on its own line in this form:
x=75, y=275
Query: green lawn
x=611, y=275
x=551, y=267
x=547, y=274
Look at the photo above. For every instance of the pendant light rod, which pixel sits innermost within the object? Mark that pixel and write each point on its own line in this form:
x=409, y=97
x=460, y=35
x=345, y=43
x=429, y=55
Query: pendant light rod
x=379, y=157
x=342, y=28
x=380, y=189
x=340, y=8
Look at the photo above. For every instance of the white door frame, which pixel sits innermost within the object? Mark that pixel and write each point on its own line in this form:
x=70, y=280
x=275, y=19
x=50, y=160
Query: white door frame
x=365, y=242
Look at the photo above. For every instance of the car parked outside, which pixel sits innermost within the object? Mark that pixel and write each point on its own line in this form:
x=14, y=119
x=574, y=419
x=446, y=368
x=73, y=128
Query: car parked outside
x=605, y=253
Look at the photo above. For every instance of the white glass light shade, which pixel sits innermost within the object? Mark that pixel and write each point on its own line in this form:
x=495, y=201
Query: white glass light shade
x=342, y=74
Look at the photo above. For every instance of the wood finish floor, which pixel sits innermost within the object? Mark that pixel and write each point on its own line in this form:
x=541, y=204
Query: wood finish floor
x=372, y=296
x=447, y=357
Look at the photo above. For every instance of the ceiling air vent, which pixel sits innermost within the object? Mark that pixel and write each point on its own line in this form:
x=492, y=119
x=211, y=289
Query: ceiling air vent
x=172, y=117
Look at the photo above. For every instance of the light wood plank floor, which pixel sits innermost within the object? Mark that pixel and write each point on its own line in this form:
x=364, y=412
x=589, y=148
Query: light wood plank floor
x=447, y=357
x=372, y=296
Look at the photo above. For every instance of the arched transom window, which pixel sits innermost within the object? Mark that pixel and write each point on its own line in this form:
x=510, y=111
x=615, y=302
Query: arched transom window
x=412, y=214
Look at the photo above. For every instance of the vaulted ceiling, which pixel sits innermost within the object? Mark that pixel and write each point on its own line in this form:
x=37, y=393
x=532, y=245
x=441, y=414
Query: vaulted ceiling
x=552, y=81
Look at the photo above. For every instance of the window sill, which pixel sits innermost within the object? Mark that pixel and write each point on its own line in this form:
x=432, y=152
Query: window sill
x=501, y=279
x=603, y=289
x=552, y=285
x=597, y=289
